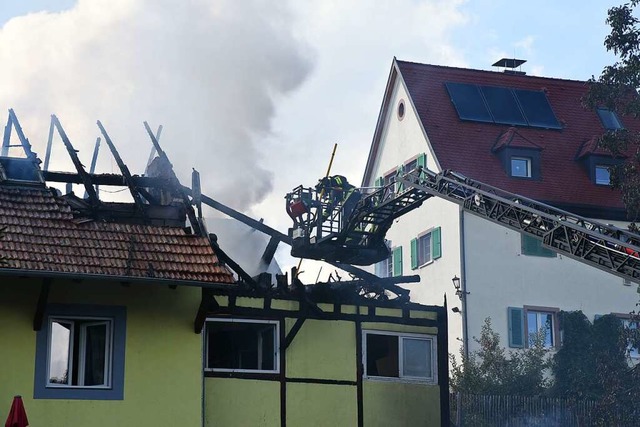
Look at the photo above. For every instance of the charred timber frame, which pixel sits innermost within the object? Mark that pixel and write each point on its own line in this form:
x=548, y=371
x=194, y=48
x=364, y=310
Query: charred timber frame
x=135, y=193
x=84, y=176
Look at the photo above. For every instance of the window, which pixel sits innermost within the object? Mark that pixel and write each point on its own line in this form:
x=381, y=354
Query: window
x=240, y=345
x=526, y=321
x=80, y=353
x=538, y=321
x=634, y=352
x=521, y=167
x=426, y=248
x=603, y=176
x=533, y=247
x=401, y=109
x=392, y=266
x=609, y=119
x=389, y=355
x=384, y=268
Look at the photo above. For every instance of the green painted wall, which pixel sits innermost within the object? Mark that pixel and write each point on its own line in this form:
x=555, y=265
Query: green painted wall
x=323, y=349
x=389, y=403
x=163, y=366
x=242, y=403
x=321, y=405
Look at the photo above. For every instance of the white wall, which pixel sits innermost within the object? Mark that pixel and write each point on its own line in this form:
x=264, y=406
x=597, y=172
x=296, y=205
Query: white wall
x=401, y=141
x=499, y=276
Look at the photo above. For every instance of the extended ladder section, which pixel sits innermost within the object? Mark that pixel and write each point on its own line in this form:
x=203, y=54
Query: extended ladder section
x=325, y=232
x=602, y=246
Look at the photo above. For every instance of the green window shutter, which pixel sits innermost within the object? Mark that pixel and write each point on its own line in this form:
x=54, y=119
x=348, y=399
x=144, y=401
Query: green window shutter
x=436, y=243
x=379, y=181
x=399, y=172
x=414, y=254
x=397, y=261
x=422, y=160
x=533, y=247
x=516, y=327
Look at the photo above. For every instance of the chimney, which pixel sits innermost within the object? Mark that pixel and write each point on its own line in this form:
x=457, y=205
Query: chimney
x=509, y=66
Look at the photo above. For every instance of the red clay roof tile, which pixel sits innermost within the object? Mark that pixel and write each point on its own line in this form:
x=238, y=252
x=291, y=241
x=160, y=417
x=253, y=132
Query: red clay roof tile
x=42, y=234
x=466, y=146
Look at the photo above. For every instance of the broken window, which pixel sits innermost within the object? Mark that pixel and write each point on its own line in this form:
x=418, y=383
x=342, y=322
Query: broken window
x=239, y=345
x=404, y=356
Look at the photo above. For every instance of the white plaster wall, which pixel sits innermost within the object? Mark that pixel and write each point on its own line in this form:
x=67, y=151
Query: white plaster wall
x=499, y=276
x=401, y=141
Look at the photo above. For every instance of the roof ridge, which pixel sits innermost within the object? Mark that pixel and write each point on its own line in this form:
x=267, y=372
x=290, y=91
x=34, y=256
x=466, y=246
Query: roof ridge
x=477, y=70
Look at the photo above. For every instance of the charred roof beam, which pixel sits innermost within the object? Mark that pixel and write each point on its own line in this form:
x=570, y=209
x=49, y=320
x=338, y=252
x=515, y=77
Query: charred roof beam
x=73, y=154
x=135, y=193
x=197, y=225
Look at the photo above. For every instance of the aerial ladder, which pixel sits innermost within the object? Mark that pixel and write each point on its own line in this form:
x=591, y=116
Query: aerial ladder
x=324, y=231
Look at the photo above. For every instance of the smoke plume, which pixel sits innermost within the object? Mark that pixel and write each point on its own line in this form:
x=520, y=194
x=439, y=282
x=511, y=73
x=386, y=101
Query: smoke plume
x=209, y=71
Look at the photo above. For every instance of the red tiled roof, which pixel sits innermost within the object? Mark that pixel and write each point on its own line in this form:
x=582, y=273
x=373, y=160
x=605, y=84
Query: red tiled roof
x=466, y=146
x=512, y=138
x=41, y=235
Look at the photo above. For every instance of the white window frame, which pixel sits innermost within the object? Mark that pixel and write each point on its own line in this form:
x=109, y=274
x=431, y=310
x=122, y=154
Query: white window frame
x=401, y=378
x=554, y=319
x=527, y=160
x=634, y=352
x=276, y=346
x=89, y=321
x=595, y=174
x=420, y=237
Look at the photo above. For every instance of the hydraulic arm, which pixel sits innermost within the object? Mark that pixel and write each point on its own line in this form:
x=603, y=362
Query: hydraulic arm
x=358, y=238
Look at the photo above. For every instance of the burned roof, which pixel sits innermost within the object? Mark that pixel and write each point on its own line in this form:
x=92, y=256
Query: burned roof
x=42, y=234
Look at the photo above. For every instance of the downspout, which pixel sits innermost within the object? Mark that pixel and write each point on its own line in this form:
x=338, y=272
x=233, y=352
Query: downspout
x=202, y=404
x=463, y=288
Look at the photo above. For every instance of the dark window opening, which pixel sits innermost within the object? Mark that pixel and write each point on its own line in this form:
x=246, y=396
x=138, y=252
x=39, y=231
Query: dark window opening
x=609, y=119
x=603, y=175
x=382, y=356
x=401, y=109
x=241, y=346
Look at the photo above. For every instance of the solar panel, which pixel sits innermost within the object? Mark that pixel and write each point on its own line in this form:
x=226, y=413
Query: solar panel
x=503, y=105
x=536, y=109
x=468, y=102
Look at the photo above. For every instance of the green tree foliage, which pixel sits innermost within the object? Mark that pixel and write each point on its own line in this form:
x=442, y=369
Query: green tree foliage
x=593, y=364
x=493, y=370
x=617, y=89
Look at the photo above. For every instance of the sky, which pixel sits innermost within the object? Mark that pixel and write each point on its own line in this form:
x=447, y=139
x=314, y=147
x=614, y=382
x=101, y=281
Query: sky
x=254, y=94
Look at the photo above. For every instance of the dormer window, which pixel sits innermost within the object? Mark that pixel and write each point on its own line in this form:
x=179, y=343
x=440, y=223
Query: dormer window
x=609, y=119
x=521, y=167
x=602, y=175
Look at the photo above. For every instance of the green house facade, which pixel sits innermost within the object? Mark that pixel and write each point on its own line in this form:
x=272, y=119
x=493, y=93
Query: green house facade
x=117, y=314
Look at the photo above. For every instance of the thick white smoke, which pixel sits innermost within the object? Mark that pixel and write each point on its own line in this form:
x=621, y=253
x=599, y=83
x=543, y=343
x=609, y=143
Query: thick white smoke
x=209, y=71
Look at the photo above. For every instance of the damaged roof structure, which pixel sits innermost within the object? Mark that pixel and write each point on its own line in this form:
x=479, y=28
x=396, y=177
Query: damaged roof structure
x=79, y=268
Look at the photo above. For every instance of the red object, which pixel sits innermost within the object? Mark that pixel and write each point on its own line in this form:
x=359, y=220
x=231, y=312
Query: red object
x=17, y=415
x=297, y=208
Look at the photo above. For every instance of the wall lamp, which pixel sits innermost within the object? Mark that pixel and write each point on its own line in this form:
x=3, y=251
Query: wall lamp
x=456, y=285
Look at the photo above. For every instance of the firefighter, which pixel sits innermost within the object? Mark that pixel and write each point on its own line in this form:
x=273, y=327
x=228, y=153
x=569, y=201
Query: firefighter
x=336, y=189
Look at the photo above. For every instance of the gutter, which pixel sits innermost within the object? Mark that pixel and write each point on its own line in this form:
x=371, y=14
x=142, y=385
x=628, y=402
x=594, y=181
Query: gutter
x=111, y=278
